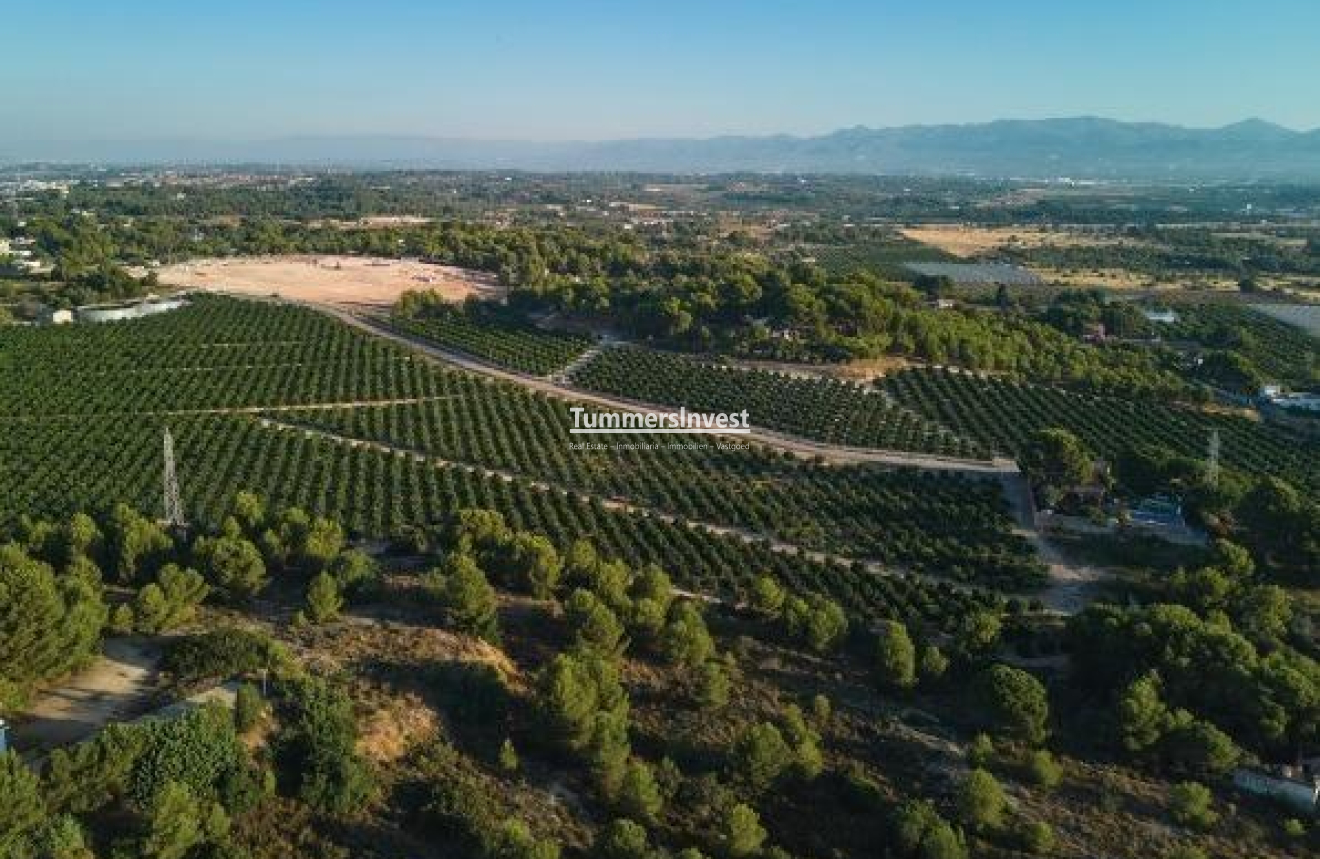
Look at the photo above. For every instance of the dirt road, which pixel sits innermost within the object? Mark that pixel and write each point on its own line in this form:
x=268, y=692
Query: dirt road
x=770, y=438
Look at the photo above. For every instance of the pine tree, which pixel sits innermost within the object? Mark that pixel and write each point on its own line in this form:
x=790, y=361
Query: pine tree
x=323, y=600
x=981, y=801
x=468, y=599
x=741, y=831
x=22, y=810
x=639, y=795
x=895, y=656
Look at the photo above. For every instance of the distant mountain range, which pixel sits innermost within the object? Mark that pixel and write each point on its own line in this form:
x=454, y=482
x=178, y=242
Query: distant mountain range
x=1080, y=148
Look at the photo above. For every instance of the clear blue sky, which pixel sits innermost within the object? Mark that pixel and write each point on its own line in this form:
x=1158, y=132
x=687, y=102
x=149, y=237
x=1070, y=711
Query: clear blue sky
x=589, y=69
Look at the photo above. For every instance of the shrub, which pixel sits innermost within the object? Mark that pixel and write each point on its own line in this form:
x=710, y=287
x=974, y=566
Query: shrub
x=220, y=654
x=467, y=598
x=895, y=656
x=1044, y=771
x=316, y=747
x=921, y=831
x=178, y=822
x=713, y=685
x=741, y=832
x=594, y=624
x=932, y=664
x=233, y=564
x=508, y=757
x=1037, y=837
x=818, y=622
x=249, y=707
x=355, y=572
x=22, y=810
x=981, y=801
x=197, y=750
x=981, y=751
x=761, y=756
x=514, y=840
x=621, y=839
x=685, y=640
x=49, y=626
x=323, y=600
x=638, y=795
x=1190, y=805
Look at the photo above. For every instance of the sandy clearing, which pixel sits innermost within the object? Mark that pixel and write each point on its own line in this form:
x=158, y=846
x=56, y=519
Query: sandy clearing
x=116, y=687
x=343, y=281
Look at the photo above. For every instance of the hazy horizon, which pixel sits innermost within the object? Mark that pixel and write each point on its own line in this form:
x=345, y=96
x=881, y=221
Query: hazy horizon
x=589, y=71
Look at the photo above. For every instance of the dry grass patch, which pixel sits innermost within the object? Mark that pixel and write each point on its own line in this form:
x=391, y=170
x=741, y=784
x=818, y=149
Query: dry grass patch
x=964, y=240
x=395, y=726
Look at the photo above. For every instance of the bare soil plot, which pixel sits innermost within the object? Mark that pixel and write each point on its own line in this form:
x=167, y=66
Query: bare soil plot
x=343, y=281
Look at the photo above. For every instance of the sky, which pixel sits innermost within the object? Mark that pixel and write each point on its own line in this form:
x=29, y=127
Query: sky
x=602, y=69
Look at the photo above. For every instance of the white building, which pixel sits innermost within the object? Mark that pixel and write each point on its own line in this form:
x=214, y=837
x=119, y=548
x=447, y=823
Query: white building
x=1168, y=317
x=56, y=317
x=133, y=310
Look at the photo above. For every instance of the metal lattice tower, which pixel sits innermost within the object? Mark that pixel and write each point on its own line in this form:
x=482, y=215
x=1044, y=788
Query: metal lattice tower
x=173, y=504
x=1212, y=460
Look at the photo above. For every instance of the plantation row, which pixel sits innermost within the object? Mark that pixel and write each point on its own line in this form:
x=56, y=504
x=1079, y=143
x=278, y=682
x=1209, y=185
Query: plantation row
x=937, y=523
x=518, y=347
x=1002, y=414
x=827, y=410
x=218, y=353
x=54, y=393
x=59, y=466
x=213, y=331
x=198, y=363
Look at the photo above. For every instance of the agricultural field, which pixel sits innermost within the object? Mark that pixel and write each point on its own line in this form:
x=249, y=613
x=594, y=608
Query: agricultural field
x=938, y=524
x=832, y=411
x=219, y=353
x=1303, y=316
x=885, y=257
x=518, y=347
x=209, y=371
x=1002, y=414
x=1283, y=352
x=90, y=464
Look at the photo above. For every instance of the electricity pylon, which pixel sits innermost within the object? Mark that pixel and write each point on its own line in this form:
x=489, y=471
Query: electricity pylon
x=174, y=518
